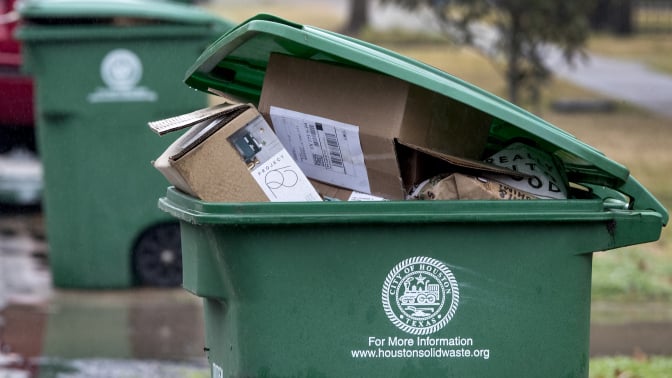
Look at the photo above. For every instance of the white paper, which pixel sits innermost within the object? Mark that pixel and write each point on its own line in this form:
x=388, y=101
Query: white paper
x=357, y=196
x=272, y=167
x=281, y=180
x=326, y=150
x=545, y=179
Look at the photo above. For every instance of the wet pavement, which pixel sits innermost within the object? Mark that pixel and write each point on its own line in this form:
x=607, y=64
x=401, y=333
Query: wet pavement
x=136, y=333
x=631, y=329
x=47, y=332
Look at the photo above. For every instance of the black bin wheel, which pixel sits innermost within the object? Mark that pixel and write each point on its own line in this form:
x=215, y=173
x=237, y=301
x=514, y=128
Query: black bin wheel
x=157, y=256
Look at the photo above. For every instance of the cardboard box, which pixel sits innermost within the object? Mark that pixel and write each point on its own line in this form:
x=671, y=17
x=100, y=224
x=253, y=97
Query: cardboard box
x=418, y=164
x=334, y=193
x=230, y=154
x=377, y=108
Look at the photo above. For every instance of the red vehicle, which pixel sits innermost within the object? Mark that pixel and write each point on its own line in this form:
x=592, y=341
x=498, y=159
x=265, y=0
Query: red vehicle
x=16, y=89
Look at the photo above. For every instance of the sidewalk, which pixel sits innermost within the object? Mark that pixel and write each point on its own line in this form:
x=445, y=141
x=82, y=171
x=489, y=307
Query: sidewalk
x=621, y=80
x=628, y=81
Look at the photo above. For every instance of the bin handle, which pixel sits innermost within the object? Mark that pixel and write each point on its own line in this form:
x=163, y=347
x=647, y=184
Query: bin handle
x=641, y=199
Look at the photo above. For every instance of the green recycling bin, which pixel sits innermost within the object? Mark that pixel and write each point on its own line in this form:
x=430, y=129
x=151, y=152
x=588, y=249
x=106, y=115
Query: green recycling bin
x=333, y=289
x=103, y=69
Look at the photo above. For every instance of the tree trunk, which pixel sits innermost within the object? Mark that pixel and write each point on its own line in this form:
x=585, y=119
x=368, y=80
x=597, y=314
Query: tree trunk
x=513, y=71
x=621, y=19
x=358, y=17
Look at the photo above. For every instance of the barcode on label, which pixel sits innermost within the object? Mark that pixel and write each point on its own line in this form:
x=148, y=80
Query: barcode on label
x=326, y=150
x=313, y=134
x=334, y=150
x=318, y=160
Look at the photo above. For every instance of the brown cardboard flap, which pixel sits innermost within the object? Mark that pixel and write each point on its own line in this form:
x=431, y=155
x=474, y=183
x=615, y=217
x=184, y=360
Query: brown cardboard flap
x=439, y=123
x=168, y=125
x=331, y=192
x=226, y=97
x=418, y=164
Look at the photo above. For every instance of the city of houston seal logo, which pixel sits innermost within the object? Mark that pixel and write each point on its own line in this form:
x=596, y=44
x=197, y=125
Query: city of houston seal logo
x=121, y=71
x=420, y=295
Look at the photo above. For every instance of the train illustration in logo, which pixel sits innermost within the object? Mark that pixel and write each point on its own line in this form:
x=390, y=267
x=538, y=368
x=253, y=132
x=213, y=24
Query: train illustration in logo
x=428, y=294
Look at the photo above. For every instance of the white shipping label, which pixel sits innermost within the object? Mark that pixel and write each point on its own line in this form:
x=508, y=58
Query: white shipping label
x=326, y=150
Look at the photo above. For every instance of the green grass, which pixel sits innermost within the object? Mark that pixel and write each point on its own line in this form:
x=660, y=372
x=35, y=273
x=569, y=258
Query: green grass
x=630, y=367
x=632, y=274
x=205, y=373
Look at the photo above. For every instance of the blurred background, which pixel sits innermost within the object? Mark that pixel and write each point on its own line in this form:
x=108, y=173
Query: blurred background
x=600, y=69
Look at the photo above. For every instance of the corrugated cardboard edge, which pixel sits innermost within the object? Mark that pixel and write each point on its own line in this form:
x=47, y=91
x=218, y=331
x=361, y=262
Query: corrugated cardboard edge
x=469, y=164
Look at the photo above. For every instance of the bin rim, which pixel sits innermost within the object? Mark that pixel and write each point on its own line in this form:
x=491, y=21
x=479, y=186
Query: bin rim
x=626, y=227
x=192, y=210
x=156, y=10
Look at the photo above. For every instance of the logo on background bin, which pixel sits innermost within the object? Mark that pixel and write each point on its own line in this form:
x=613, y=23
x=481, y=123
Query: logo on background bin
x=420, y=295
x=121, y=71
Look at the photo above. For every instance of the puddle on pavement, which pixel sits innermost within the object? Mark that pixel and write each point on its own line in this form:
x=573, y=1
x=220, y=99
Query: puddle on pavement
x=102, y=368
x=145, y=332
x=141, y=324
x=160, y=333
x=66, y=333
x=631, y=329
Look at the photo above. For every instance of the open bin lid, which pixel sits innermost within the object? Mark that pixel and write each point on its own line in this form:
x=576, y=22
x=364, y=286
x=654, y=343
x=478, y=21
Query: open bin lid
x=72, y=14
x=158, y=10
x=236, y=63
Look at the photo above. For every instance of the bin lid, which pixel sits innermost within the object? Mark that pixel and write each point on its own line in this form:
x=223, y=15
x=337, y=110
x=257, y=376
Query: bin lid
x=235, y=65
x=155, y=10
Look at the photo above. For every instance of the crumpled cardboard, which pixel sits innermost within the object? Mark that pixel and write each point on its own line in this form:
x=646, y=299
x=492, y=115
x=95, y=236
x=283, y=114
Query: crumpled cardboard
x=459, y=186
x=539, y=177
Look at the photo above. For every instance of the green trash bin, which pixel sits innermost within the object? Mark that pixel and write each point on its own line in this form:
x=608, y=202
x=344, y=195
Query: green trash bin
x=324, y=289
x=103, y=69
